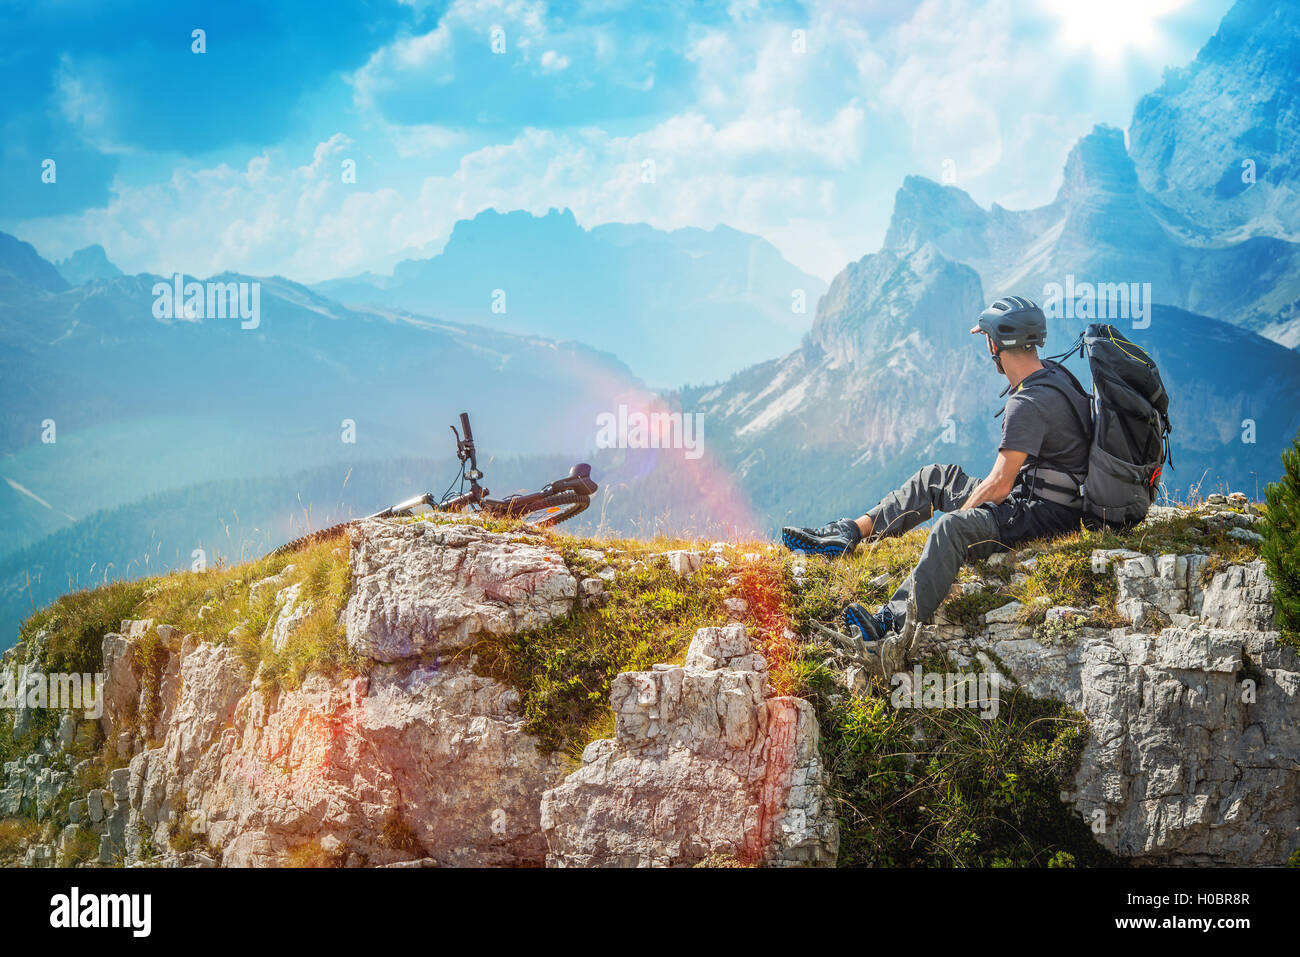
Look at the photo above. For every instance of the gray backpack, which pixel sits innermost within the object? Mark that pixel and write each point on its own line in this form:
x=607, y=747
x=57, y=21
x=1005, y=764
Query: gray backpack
x=1130, y=428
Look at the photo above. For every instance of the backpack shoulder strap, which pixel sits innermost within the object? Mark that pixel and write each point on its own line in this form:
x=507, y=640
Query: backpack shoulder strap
x=1085, y=426
x=1074, y=380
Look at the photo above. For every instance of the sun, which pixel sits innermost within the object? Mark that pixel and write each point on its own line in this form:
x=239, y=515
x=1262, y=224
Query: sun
x=1109, y=29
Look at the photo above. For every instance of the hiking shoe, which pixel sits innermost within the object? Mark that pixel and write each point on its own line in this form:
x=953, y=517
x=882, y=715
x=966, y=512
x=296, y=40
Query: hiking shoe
x=875, y=627
x=834, y=539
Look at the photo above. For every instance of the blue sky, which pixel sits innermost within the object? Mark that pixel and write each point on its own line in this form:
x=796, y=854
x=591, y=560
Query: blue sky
x=796, y=121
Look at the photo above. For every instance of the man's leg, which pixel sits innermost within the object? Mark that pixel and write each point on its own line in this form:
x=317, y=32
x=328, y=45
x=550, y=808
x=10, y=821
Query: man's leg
x=956, y=538
x=935, y=488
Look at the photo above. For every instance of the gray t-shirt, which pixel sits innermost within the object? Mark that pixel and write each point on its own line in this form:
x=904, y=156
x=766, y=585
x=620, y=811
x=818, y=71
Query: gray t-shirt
x=1039, y=422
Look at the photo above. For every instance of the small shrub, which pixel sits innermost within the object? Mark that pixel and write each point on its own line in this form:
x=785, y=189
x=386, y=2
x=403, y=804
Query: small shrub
x=16, y=833
x=396, y=834
x=927, y=787
x=1281, y=546
x=968, y=610
x=311, y=854
x=183, y=836
x=81, y=848
x=1058, y=631
x=150, y=660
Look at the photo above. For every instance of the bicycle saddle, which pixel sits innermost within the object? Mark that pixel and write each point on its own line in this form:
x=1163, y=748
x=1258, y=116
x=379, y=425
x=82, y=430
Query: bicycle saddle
x=578, y=480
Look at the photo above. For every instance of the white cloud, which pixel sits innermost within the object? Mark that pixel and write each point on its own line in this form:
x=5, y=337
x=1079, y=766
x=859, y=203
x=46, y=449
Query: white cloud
x=85, y=102
x=804, y=148
x=424, y=139
x=553, y=62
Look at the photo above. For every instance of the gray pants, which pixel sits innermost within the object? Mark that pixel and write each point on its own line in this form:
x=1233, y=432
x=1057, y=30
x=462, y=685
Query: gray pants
x=958, y=537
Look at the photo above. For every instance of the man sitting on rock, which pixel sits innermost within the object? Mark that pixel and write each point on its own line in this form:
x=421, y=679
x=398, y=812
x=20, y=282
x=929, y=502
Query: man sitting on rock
x=1032, y=491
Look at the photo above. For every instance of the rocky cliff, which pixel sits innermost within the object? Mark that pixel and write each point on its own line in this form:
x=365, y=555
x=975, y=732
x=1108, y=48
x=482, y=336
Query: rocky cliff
x=421, y=759
x=411, y=748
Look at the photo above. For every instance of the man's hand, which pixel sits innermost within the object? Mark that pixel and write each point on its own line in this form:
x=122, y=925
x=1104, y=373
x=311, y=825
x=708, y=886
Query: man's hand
x=1000, y=481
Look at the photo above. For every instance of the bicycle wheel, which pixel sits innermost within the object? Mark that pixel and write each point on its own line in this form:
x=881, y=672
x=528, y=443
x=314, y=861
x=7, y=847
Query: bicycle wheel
x=553, y=509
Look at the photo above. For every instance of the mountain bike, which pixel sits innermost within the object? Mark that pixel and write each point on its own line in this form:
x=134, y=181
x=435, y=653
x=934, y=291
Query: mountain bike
x=556, y=502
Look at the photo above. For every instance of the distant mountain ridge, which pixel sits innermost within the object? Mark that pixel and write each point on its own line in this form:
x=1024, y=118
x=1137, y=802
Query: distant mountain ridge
x=690, y=305
x=94, y=358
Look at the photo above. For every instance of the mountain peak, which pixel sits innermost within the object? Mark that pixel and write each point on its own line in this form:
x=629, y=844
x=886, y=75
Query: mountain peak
x=493, y=220
x=87, y=264
x=1099, y=164
x=926, y=211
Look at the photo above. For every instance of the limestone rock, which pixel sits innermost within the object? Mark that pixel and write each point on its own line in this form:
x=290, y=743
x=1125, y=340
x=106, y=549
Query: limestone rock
x=1239, y=597
x=1165, y=585
x=425, y=587
x=1186, y=762
x=684, y=562
x=442, y=747
x=424, y=748
x=703, y=763
x=290, y=612
x=1009, y=612
x=121, y=686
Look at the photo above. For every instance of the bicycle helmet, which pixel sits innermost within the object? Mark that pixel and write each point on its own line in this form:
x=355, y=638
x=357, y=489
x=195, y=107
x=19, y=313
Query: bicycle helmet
x=1013, y=322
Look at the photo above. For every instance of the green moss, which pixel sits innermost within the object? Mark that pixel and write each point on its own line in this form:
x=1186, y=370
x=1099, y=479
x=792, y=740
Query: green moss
x=1063, y=575
x=563, y=670
x=318, y=643
x=150, y=660
x=968, y=610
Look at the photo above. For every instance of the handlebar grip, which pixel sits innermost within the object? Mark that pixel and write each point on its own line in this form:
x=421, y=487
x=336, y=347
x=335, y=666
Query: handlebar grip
x=464, y=427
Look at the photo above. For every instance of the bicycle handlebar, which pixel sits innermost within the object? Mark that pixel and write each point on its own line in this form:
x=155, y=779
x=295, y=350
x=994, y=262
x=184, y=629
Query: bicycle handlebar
x=464, y=427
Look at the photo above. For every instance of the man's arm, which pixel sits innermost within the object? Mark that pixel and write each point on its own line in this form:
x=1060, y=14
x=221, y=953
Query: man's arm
x=999, y=483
